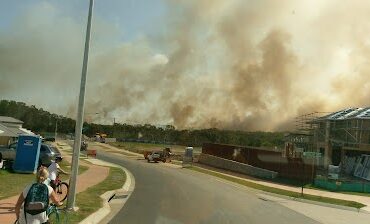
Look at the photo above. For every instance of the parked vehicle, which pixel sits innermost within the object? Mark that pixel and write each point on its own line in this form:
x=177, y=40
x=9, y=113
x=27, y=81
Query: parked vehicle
x=156, y=156
x=165, y=154
x=8, y=153
x=47, y=153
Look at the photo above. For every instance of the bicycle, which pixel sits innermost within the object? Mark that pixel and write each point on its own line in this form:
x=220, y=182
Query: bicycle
x=61, y=189
x=57, y=215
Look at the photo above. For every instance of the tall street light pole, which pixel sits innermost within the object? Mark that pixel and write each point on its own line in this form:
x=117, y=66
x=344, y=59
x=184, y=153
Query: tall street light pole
x=114, y=126
x=56, y=130
x=79, y=120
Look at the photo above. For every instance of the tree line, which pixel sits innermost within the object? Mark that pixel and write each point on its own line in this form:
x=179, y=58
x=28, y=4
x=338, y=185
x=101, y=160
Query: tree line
x=41, y=121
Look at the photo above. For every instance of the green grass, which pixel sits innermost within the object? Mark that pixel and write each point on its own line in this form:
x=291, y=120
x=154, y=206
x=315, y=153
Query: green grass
x=135, y=146
x=176, y=162
x=121, y=152
x=89, y=201
x=280, y=191
x=66, y=166
x=310, y=186
x=138, y=147
x=12, y=184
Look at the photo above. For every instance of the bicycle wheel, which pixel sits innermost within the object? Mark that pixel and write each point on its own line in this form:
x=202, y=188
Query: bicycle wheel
x=62, y=191
x=54, y=217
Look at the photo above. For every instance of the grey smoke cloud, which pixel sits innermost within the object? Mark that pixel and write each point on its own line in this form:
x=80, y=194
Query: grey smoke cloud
x=249, y=65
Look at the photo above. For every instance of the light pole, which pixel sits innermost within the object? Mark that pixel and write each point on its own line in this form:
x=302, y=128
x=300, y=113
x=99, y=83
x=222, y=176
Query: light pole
x=56, y=129
x=79, y=120
x=114, y=126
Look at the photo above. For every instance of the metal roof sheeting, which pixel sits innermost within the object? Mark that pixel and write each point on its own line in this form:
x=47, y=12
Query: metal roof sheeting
x=349, y=113
x=365, y=113
x=18, y=131
x=341, y=114
x=27, y=131
x=4, y=131
x=5, y=119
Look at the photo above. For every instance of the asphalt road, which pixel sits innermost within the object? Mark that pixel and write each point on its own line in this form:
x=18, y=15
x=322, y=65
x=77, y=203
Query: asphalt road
x=165, y=194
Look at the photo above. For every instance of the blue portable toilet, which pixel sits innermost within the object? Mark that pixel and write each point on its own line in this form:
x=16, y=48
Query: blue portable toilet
x=28, y=151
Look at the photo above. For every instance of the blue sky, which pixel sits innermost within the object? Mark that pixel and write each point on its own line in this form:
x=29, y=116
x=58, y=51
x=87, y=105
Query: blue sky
x=133, y=17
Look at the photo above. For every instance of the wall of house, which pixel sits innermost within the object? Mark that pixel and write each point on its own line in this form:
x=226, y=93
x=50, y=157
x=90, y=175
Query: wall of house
x=4, y=140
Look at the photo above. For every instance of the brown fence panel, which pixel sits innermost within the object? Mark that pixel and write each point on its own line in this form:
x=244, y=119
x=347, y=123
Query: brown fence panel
x=295, y=168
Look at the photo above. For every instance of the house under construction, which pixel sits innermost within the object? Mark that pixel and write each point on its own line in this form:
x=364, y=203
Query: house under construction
x=339, y=138
x=343, y=133
x=346, y=132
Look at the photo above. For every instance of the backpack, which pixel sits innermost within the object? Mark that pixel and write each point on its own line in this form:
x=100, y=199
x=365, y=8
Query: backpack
x=37, y=199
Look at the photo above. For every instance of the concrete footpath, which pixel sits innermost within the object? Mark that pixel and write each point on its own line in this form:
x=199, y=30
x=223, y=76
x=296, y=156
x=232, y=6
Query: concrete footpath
x=349, y=197
x=92, y=176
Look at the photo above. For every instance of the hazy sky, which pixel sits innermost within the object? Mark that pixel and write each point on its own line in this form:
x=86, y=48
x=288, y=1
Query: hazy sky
x=132, y=17
x=236, y=64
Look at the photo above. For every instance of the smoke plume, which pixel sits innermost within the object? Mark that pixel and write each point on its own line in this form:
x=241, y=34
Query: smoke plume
x=247, y=65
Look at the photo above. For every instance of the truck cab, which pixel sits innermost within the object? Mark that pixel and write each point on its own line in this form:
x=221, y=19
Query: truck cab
x=8, y=153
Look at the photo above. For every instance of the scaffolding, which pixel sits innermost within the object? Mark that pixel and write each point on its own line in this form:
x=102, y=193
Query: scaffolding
x=304, y=124
x=303, y=137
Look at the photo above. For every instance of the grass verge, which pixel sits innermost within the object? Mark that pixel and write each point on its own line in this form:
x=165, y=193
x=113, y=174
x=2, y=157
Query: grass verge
x=280, y=191
x=12, y=183
x=66, y=166
x=121, y=152
x=310, y=186
x=138, y=147
x=176, y=162
x=89, y=201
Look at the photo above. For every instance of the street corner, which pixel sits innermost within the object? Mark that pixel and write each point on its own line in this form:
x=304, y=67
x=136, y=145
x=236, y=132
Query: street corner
x=114, y=200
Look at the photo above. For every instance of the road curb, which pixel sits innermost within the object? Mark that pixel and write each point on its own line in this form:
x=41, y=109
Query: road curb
x=127, y=189
x=315, y=202
x=361, y=210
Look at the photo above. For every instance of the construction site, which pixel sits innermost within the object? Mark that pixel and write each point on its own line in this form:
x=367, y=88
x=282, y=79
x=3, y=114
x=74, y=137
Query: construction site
x=329, y=150
x=340, y=144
